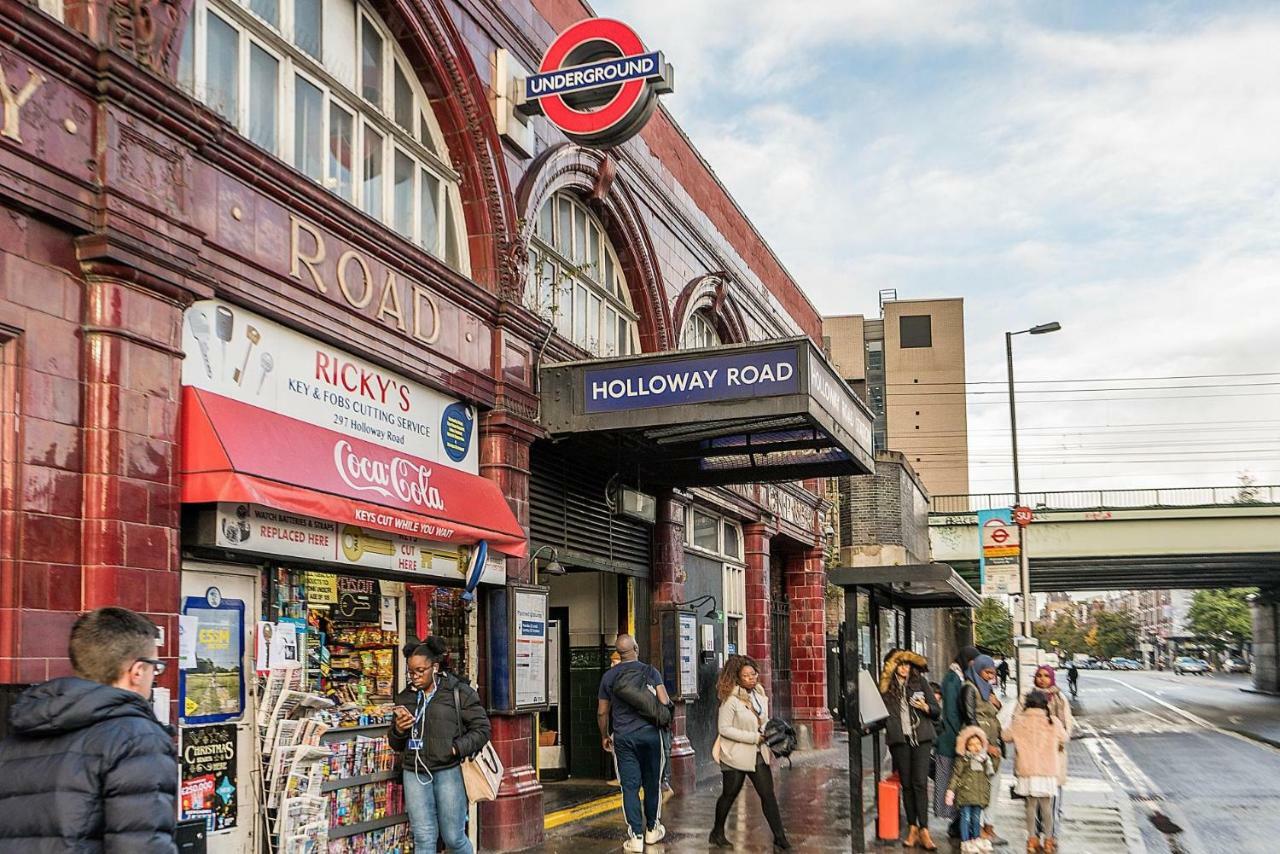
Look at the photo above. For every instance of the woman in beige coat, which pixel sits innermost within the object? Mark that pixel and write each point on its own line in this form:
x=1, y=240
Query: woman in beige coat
x=740, y=747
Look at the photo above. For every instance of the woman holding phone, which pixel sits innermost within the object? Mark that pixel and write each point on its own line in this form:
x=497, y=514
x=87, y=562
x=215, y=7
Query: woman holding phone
x=439, y=721
x=912, y=708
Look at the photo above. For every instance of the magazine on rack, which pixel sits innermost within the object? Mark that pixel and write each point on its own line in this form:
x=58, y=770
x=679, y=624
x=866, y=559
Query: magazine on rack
x=298, y=814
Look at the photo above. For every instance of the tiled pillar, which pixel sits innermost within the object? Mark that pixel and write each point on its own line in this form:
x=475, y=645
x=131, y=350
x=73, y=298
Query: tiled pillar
x=668, y=587
x=756, y=537
x=129, y=543
x=806, y=582
x=514, y=821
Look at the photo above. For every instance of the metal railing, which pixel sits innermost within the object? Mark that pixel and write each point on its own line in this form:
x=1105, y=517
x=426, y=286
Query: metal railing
x=1112, y=499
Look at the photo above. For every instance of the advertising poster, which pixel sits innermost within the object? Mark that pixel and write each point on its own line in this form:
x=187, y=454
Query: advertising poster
x=531, y=648
x=214, y=688
x=208, y=776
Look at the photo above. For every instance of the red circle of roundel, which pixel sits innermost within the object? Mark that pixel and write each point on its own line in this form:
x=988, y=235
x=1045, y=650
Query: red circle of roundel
x=629, y=94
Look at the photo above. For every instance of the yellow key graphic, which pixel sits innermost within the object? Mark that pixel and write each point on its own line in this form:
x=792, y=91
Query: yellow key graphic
x=356, y=543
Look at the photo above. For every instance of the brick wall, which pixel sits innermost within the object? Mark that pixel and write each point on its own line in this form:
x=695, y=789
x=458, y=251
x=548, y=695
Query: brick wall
x=888, y=508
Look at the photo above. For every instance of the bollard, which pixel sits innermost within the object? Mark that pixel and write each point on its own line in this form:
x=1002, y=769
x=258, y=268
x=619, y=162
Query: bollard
x=804, y=741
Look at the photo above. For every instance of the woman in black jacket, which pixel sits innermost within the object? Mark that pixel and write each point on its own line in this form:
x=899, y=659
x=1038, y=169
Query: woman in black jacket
x=912, y=708
x=439, y=721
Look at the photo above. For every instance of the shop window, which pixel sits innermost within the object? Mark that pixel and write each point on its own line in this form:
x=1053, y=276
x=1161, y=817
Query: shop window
x=915, y=331
x=698, y=332
x=576, y=282
x=293, y=74
x=706, y=531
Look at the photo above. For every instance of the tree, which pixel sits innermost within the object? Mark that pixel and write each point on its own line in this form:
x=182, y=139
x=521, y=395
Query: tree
x=1220, y=618
x=1248, y=491
x=1063, y=635
x=1114, y=633
x=994, y=626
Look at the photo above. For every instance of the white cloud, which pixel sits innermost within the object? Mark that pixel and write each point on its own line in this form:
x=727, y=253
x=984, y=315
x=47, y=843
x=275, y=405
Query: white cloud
x=1122, y=181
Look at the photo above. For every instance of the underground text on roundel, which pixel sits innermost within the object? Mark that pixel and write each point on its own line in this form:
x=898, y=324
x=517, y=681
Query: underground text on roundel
x=711, y=378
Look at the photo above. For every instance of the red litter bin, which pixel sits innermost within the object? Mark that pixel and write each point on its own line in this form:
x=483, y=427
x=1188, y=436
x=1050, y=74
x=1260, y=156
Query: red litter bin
x=888, y=792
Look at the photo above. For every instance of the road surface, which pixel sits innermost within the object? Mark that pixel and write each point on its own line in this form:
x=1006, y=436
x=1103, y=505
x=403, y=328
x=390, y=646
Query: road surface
x=1194, y=753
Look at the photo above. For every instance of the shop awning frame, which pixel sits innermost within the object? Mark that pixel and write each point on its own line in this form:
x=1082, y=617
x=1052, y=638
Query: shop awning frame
x=800, y=420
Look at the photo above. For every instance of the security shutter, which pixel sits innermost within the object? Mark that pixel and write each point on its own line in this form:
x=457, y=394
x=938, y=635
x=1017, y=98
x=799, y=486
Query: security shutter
x=568, y=510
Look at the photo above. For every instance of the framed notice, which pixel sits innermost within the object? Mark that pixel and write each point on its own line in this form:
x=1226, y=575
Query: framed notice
x=679, y=636
x=213, y=691
x=207, y=758
x=517, y=632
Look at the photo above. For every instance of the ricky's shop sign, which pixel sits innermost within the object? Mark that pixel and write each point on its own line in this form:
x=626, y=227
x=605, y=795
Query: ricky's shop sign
x=703, y=379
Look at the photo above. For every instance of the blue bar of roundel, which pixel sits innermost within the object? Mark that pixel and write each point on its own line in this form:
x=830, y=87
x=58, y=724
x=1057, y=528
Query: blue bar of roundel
x=648, y=65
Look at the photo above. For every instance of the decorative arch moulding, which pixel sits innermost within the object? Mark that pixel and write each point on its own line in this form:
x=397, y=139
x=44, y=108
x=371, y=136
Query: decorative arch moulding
x=593, y=176
x=713, y=294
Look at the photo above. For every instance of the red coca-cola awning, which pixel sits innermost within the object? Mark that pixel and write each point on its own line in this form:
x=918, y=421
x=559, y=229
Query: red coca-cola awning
x=235, y=452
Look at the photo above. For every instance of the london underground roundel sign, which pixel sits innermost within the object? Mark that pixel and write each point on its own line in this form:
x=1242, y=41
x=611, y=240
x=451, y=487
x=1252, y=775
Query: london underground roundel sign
x=597, y=83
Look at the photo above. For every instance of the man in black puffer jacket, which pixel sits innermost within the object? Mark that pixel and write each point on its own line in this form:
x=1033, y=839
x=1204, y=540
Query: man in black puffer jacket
x=88, y=768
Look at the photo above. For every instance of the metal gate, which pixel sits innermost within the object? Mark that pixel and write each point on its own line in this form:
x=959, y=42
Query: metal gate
x=780, y=655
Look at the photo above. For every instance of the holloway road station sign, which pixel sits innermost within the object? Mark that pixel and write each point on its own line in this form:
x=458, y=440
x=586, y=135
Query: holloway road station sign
x=597, y=83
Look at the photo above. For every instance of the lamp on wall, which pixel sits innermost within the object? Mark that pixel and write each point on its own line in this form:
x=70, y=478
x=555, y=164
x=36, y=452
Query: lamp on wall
x=713, y=613
x=553, y=567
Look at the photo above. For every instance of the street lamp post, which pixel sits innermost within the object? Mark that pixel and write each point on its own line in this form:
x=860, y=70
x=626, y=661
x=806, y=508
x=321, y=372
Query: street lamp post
x=1024, y=565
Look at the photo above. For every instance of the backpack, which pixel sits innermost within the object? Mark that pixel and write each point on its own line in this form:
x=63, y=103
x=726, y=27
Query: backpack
x=631, y=688
x=780, y=737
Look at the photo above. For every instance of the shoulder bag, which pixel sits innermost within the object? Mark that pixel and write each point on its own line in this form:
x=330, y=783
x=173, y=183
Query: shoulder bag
x=482, y=772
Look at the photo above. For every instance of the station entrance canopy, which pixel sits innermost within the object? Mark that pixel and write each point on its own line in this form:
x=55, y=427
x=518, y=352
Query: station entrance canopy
x=748, y=413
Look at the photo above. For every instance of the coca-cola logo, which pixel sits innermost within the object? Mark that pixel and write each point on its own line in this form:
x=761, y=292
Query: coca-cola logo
x=406, y=479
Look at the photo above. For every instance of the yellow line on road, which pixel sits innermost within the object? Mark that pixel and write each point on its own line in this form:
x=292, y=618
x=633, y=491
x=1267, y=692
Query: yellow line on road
x=608, y=803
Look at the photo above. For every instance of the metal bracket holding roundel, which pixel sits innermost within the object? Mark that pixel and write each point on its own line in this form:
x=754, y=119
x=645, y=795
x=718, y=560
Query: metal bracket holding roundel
x=597, y=83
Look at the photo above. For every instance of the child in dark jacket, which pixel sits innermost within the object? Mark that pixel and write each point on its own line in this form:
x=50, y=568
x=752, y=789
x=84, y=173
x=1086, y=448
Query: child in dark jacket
x=970, y=788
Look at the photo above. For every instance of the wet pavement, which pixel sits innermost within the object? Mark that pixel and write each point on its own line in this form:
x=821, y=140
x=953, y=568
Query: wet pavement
x=1194, y=755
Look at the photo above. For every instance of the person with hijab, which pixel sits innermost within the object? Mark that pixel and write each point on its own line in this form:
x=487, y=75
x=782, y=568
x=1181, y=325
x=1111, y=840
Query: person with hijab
x=950, y=726
x=1046, y=680
x=981, y=707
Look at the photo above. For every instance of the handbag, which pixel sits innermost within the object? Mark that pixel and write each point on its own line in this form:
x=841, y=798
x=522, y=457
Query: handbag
x=481, y=772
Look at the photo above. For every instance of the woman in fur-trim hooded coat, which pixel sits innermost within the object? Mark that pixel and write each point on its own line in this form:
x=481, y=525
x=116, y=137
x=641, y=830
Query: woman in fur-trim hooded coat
x=910, y=734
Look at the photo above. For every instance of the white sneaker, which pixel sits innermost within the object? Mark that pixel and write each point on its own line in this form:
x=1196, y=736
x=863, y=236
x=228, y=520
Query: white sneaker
x=654, y=836
x=633, y=845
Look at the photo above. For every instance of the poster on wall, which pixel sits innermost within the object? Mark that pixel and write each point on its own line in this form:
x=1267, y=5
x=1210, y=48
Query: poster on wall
x=208, y=776
x=689, y=654
x=531, y=648
x=214, y=689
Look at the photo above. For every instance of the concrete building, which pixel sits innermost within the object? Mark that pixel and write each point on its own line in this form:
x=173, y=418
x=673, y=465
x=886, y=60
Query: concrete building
x=908, y=365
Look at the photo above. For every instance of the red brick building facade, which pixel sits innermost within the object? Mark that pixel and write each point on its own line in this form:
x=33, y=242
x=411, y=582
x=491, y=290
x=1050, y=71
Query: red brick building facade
x=131, y=189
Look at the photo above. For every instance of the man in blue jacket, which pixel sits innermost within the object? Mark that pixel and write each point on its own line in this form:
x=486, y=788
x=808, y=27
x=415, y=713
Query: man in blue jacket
x=87, y=767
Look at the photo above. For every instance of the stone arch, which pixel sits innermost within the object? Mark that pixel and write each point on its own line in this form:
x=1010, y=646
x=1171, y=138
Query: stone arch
x=711, y=294
x=592, y=175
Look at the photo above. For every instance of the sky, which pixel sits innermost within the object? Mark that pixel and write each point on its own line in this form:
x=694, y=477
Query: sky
x=1111, y=166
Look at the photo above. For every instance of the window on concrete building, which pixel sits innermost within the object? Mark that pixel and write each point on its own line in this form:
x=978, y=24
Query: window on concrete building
x=915, y=330
x=706, y=531
x=732, y=540
x=875, y=355
x=576, y=282
x=323, y=85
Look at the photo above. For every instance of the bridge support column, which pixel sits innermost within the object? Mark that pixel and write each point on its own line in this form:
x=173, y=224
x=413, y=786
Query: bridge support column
x=1266, y=642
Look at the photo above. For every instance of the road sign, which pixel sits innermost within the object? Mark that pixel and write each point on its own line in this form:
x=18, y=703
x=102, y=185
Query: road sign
x=998, y=558
x=1022, y=515
x=597, y=83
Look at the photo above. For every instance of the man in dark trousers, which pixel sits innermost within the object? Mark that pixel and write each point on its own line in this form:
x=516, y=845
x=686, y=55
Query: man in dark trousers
x=1003, y=672
x=636, y=744
x=87, y=767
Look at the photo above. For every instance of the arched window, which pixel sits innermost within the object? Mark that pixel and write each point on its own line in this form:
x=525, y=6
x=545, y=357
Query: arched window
x=699, y=331
x=322, y=85
x=575, y=280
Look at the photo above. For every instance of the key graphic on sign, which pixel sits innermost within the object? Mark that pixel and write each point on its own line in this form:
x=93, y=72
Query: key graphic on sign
x=200, y=329
x=224, y=323
x=250, y=332
x=356, y=544
x=268, y=363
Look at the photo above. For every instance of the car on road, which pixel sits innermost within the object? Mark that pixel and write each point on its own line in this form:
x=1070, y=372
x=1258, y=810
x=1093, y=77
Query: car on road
x=1186, y=664
x=1237, y=665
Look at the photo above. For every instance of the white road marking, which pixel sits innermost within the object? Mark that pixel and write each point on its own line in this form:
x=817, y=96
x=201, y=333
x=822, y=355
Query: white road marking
x=1194, y=718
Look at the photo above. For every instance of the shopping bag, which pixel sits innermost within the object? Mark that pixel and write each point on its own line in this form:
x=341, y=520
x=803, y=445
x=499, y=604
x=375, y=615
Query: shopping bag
x=482, y=774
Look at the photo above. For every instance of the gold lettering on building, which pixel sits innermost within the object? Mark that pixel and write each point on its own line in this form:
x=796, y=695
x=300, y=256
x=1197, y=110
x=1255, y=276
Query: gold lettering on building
x=389, y=305
x=297, y=260
x=307, y=251
x=14, y=101
x=366, y=282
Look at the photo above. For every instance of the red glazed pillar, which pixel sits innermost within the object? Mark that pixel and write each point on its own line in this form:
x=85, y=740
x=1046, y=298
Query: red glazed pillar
x=756, y=537
x=668, y=588
x=513, y=821
x=806, y=583
x=132, y=351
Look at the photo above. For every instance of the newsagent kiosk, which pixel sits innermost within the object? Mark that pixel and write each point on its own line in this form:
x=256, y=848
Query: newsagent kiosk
x=331, y=510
